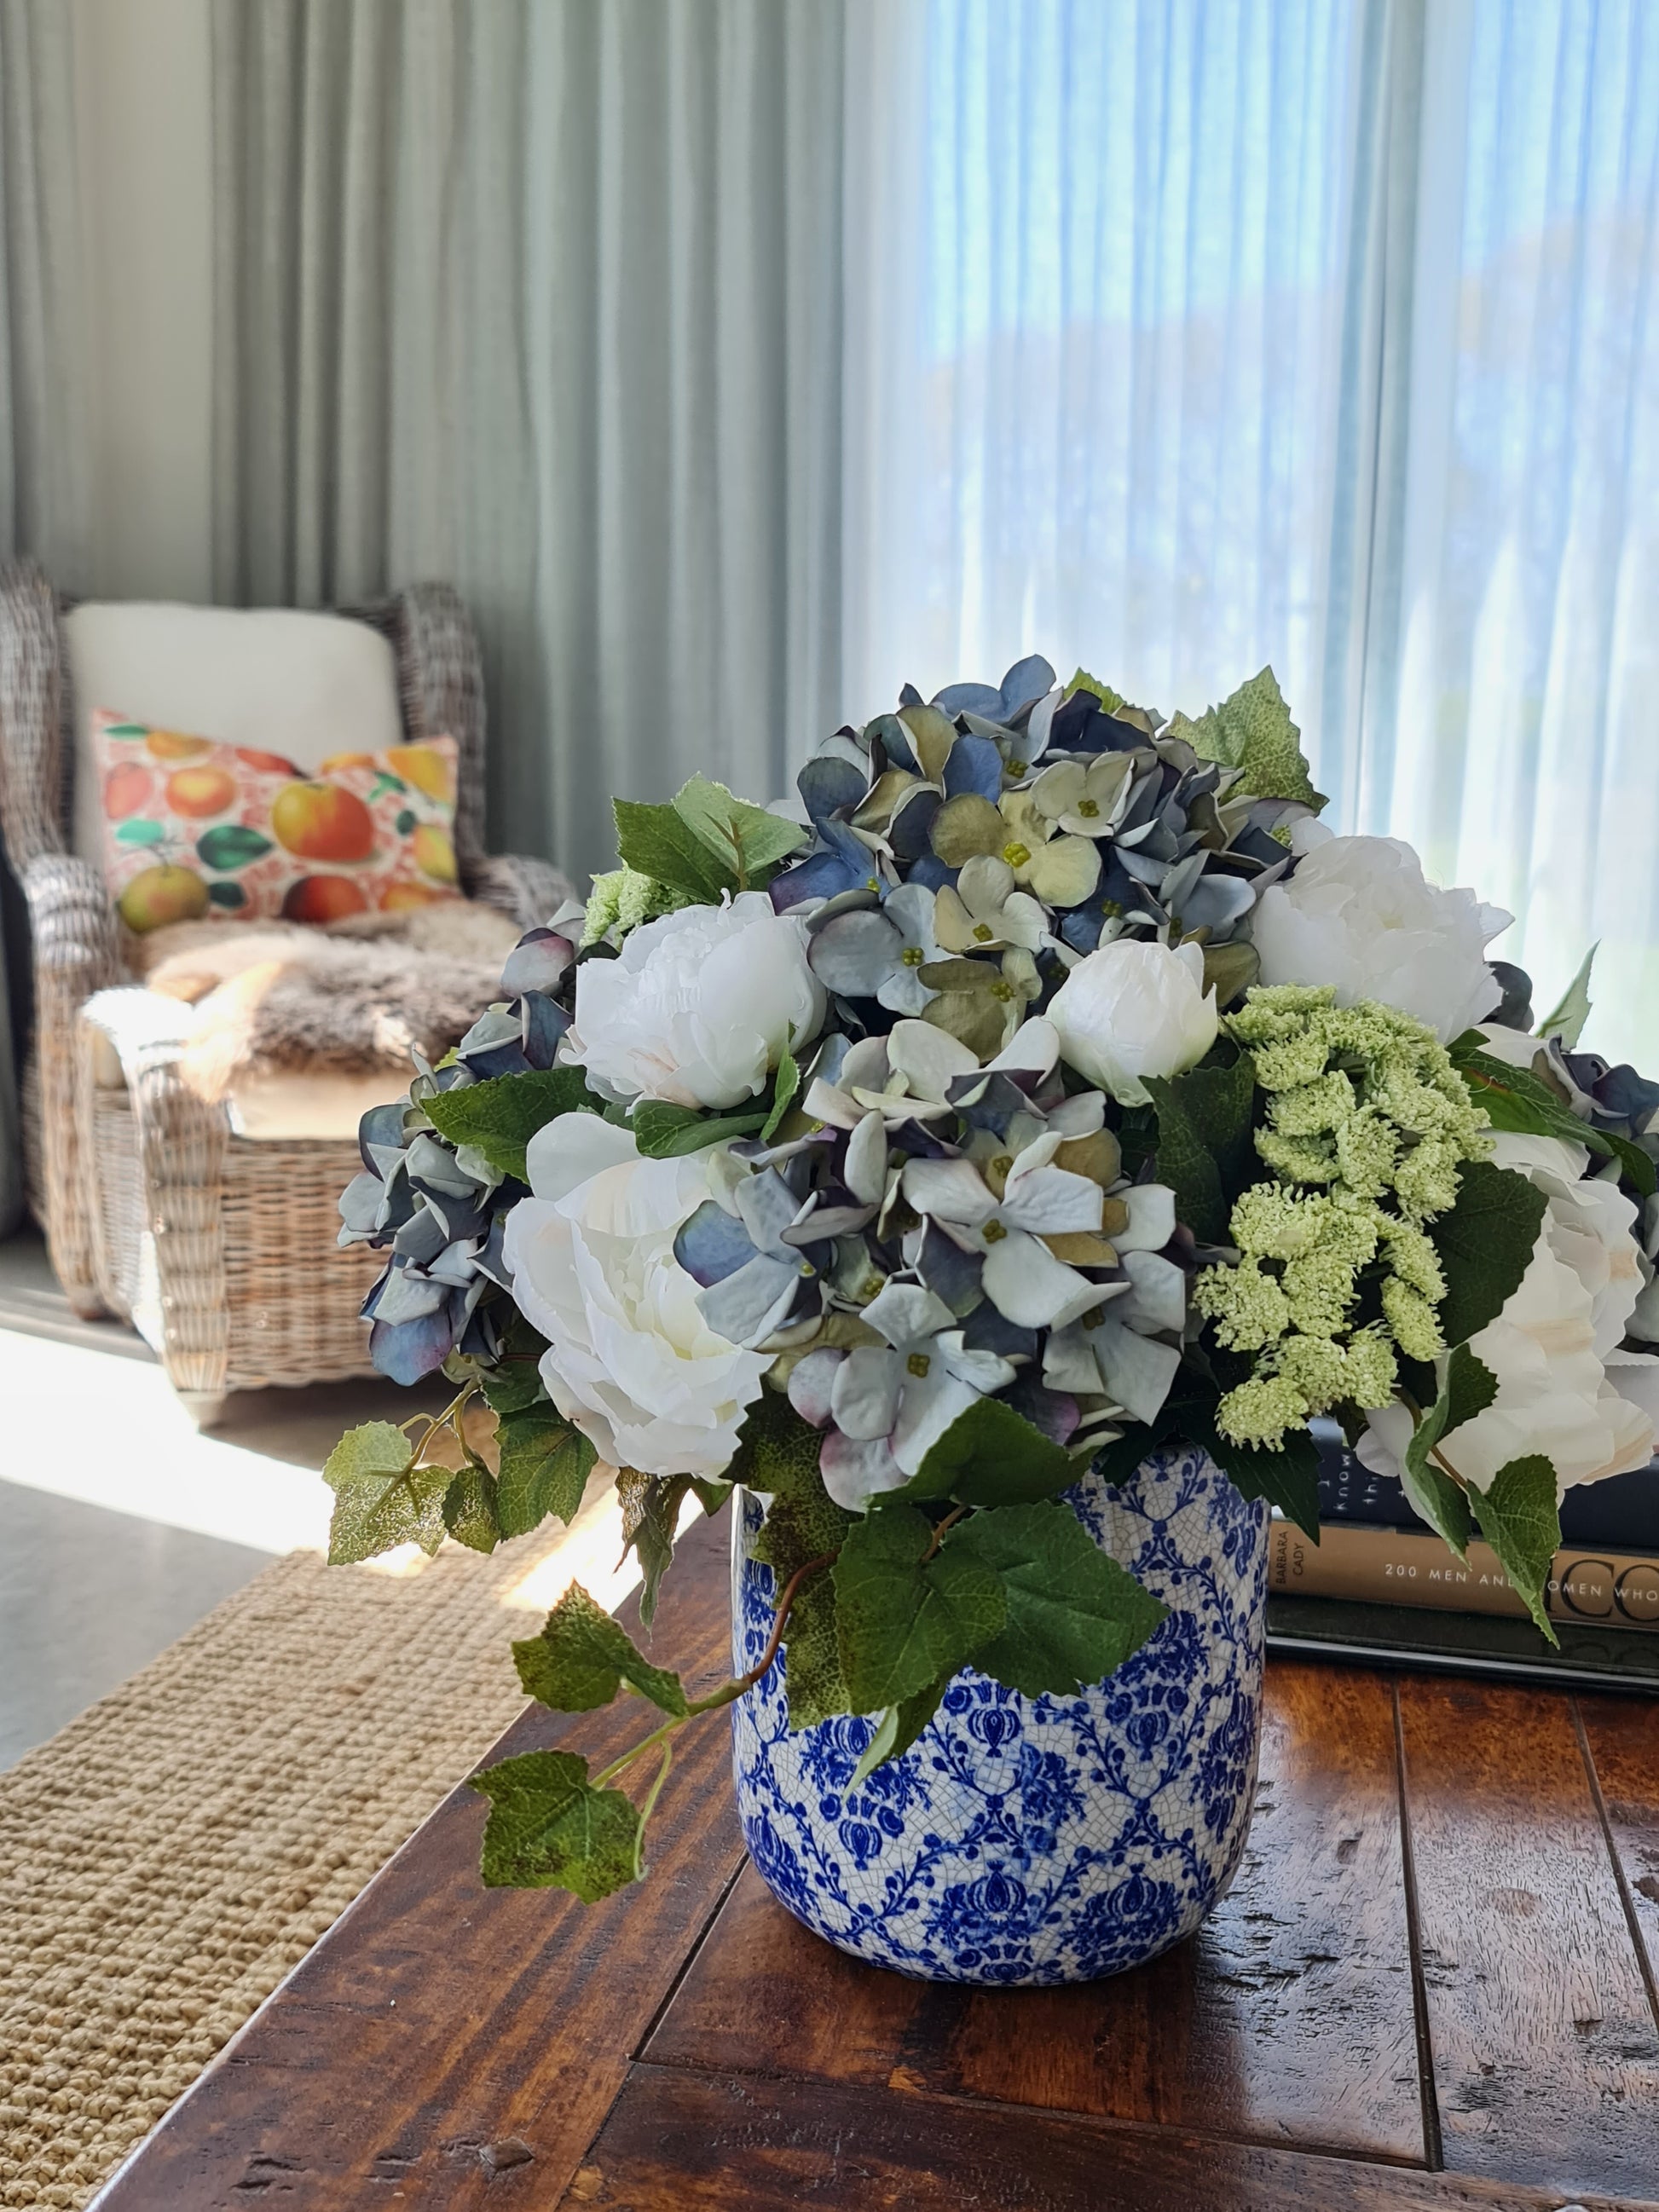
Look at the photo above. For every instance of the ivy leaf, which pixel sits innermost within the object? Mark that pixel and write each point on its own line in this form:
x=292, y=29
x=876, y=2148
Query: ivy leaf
x=1567, y=1018
x=545, y=1462
x=990, y=1455
x=1204, y=1149
x=549, y=1828
x=660, y=843
x=380, y=1499
x=1484, y=1244
x=904, y=1623
x=469, y=1510
x=799, y=1527
x=650, y=1516
x=746, y=839
x=498, y=1117
x=896, y=1729
x=777, y=1452
x=1253, y=731
x=582, y=1658
x=783, y=1093
x=1074, y=1616
x=666, y=1132
x=1520, y=1519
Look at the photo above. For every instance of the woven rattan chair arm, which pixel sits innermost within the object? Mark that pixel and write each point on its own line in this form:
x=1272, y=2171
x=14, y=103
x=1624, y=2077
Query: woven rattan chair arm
x=517, y=883
x=71, y=920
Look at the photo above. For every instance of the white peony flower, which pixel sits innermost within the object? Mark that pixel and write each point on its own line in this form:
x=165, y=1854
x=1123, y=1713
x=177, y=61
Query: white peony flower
x=1131, y=1010
x=630, y=1358
x=1563, y=1387
x=1359, y=914
x=698, y=1006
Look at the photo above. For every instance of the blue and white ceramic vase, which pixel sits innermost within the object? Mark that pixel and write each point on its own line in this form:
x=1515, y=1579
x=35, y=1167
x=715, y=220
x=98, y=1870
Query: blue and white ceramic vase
x=1031, y=1840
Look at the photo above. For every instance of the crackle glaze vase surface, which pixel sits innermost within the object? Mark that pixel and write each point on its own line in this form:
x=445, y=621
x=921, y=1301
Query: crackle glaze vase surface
x=1031, y=1840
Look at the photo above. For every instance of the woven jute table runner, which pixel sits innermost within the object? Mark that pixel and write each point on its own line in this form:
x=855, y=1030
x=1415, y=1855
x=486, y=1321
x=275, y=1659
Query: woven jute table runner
x=170, y=1855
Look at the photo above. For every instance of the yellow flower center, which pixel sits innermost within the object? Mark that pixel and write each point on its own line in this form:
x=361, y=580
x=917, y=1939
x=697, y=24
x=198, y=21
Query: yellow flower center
x=1090, y=807
x=912, y=956
x=806, y=1267
x=994, y=1232
x=1003, y=991
x=870, y=884
x=1017, y=768
x=1094, y=1318
x=1015, y=854
x=984, y=931
x=918, y=1363
x=1002, y=1164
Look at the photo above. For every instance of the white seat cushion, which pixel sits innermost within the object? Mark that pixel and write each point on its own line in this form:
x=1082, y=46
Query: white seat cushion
x=304, y=685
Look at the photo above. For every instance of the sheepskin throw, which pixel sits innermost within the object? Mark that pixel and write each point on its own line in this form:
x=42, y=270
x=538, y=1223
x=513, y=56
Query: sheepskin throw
x=353, y=998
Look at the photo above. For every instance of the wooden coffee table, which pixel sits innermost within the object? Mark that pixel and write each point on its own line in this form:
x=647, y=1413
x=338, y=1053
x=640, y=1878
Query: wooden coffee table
x=1432, y=1985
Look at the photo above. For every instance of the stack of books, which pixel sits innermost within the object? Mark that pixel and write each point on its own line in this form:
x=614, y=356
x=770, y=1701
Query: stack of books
x=1380, y=1584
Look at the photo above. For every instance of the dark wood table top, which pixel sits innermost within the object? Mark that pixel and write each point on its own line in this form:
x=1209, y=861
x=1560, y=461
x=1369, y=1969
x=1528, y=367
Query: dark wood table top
x=1432, y=1985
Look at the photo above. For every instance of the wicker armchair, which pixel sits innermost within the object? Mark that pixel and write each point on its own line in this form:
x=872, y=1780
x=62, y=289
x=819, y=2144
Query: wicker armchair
x=155, y=1208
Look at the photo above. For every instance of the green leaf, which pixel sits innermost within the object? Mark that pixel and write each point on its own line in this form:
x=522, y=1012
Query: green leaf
x=1253, y=731
x=745, y=838
x=990, y=1455
x=140, y=833
x=1484, y=1242
x=380, y=1500
x=1287, y=1478
x=230, y=846
x=1520, y=1099
x=582, y=1658
x=1074, y=1616
x=500, y=1116
x=545, y=1465
x=1567, y=1018
x=469, y=1510
x=802, y=1526
x=664, y=1132
x=549, y=1828
x=1519, y=1518
x=777, y=1452
x=783, y=1092
x=650, y=1515
x=514, y=1385
x=1204, y=1150
x=1469, y=1388
x=896, y=1729
x=905, y=1620
x=1110, y=700
x=660, y=843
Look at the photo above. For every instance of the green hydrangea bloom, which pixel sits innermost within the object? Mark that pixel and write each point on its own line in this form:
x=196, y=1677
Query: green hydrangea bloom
x=620, y=901
x=1368, y=1127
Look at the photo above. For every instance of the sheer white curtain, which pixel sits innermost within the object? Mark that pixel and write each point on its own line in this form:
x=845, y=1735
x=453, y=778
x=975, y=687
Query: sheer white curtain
x=1186, y=334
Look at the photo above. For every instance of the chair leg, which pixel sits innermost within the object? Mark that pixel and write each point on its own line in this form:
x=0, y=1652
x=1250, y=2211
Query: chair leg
x=205, y=1407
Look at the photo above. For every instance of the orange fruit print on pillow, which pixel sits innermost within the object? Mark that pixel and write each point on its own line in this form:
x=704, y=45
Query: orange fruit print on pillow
x=195, y=827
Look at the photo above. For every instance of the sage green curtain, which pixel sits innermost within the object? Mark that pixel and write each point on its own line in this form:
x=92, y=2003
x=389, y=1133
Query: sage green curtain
x=543, y=296
x=42, y=424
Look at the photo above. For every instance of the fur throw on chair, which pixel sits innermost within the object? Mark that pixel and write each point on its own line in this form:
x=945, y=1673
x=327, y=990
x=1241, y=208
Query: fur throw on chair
x=349, y=998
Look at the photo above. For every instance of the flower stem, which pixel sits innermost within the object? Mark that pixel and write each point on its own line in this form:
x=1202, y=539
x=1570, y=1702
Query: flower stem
x=728, y=1694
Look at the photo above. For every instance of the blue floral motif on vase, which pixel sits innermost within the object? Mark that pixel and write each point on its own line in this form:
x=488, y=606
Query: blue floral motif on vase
x=1026, y=1840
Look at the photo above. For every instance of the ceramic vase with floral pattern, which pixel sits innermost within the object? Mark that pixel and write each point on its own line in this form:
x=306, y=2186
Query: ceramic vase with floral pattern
x=1031, y=1840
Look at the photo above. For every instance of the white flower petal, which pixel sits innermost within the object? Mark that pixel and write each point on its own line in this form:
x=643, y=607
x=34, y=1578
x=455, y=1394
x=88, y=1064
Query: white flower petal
x=1151, y=1217
x=571, y=1148
x=1032, y=1289
x=1137, y=1370
x=810, y=1383
x=865, y=1396
x=931, y=1403
x=949, y=1190
x=1157, y=1292
x=904, y=1311
x=926, y=1058
x=855, y=1472
x=865, y=1171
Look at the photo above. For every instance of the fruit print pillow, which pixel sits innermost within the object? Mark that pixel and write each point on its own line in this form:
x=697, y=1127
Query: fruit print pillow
x=192, y=827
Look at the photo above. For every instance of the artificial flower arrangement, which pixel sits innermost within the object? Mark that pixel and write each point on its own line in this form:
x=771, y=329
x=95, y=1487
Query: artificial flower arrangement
x=1053, y=1086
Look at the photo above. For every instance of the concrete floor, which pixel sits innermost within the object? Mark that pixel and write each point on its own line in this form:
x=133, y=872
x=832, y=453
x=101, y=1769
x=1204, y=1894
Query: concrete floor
x=120, y=1525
